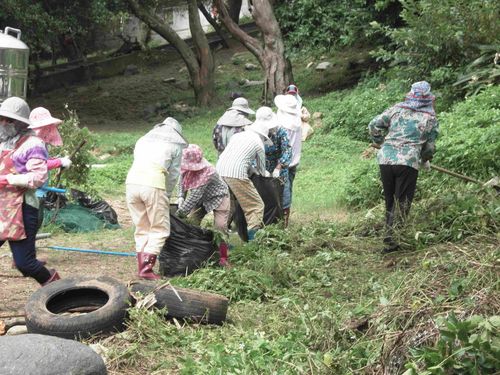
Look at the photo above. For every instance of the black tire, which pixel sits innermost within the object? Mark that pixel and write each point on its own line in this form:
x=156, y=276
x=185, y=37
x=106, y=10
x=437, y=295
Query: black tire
x=107, y=296
x=197, y=306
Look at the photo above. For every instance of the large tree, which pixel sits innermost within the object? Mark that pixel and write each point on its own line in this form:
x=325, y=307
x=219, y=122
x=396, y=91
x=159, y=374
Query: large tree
x=270, y=52
x=200, y=62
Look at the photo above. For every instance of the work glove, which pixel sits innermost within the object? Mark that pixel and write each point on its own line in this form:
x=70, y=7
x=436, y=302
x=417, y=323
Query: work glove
x=65, y=162
x=276, y=173
x=267, y=174
x=426, y=166
x=180, y=201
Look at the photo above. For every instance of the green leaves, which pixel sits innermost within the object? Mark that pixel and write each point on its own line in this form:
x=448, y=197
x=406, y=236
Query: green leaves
x=465, y=346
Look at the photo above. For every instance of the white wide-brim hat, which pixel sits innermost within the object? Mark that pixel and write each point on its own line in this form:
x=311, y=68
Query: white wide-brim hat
x=15, y=108
x=266, y=117
x=40, y=117
x=259, y=128
x=287, y=103
x=241, y=104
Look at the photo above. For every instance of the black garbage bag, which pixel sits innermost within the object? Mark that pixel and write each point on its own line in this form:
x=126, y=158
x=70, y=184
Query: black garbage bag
x=186, y=249
x=271, y=191
x=100, y=208
x=49, y=201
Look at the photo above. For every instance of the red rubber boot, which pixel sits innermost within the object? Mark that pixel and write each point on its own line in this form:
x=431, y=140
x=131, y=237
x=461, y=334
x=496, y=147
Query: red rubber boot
x=223, y=250
x=145, y=263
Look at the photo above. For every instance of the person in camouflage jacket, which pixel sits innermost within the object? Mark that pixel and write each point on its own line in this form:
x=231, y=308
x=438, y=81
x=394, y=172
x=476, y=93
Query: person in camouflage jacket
x=407, y=134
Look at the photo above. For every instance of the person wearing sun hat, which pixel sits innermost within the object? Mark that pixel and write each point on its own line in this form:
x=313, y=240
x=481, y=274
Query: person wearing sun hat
x=232, y=122
x=278, y=154
x=305, y=116
x=243, y=151
x=407, y=132
x=149, y=184
x=206, y=192
x=288, y=116
x=45, y=127
x=23, y=169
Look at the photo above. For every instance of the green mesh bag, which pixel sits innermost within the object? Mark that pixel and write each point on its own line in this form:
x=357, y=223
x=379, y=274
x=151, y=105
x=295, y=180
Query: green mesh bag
x=75, y=218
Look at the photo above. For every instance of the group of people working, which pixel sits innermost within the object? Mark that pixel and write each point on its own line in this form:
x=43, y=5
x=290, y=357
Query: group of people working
x=269, y=146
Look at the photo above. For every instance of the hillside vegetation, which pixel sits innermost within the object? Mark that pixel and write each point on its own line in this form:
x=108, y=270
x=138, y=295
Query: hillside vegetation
x=318, y=297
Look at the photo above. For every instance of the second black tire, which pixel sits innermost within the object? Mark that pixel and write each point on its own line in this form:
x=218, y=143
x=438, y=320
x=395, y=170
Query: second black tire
x=187, y=304
x=106, y=299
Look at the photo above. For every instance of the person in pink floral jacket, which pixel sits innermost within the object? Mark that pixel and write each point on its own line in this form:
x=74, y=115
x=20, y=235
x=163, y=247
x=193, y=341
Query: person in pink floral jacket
x=23, y=168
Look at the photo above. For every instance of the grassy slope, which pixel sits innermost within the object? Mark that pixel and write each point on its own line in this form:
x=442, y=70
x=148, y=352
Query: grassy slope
x=316, y=298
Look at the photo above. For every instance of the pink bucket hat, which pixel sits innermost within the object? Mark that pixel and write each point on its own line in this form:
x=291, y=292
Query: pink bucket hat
x=40, y=117
x=192, y=159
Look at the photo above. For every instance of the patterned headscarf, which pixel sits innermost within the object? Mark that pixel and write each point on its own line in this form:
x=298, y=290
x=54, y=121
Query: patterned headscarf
x=195, y=169
x=420, y=98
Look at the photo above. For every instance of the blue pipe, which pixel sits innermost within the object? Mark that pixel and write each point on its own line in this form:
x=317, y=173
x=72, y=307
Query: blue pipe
x=90, y=251
x=52, y=189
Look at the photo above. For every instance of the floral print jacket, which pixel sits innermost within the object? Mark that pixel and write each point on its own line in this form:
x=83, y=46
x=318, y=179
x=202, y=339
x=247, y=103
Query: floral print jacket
x=408, y=136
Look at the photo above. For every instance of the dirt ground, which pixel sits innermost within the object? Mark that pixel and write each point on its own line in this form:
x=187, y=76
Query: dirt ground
x=108, y=104
x=15, y=289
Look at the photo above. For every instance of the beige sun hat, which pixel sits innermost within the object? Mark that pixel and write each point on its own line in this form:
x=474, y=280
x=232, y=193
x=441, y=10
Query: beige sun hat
x=265, y=119
x=40, y=117
x=241, y=104
x=15, y=108
x=287, y=103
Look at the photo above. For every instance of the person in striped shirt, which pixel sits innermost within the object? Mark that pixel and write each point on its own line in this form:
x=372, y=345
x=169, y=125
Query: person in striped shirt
x=236, y=160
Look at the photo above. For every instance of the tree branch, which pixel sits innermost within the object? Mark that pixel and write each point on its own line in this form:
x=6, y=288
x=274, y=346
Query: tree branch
x=214, y=24
x=169, y=34
x=252, y=44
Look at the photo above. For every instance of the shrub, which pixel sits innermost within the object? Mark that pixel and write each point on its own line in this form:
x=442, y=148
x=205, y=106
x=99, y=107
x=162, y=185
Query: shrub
x=341, y=24
x=349, y=112
x=441, y=33
x=72, y=136
x=469, y=134
x=364, y=188
x=465, y=346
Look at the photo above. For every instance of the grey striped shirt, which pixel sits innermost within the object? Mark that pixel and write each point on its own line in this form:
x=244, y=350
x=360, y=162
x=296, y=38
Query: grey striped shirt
x=240, y=153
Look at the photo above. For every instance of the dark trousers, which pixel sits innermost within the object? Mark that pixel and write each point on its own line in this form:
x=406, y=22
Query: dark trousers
x=288, y=188
x=24, y=251
x=399, y=182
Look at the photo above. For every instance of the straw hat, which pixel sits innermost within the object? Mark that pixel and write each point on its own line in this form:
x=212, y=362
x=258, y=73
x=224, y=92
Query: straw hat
x=40, y=117
x=15, y=108
x=241, y=104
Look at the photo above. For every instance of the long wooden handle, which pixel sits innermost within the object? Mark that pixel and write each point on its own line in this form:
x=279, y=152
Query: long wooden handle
x=443, y=170
x=455, y=174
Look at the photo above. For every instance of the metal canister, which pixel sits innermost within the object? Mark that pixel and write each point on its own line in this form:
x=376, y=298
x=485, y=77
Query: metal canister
x=14, y=57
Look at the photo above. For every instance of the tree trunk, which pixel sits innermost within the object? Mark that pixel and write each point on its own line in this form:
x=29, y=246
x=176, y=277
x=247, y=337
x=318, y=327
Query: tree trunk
x=203, y=82
x=234, y=8
x=270, y=52
x=200, y=66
